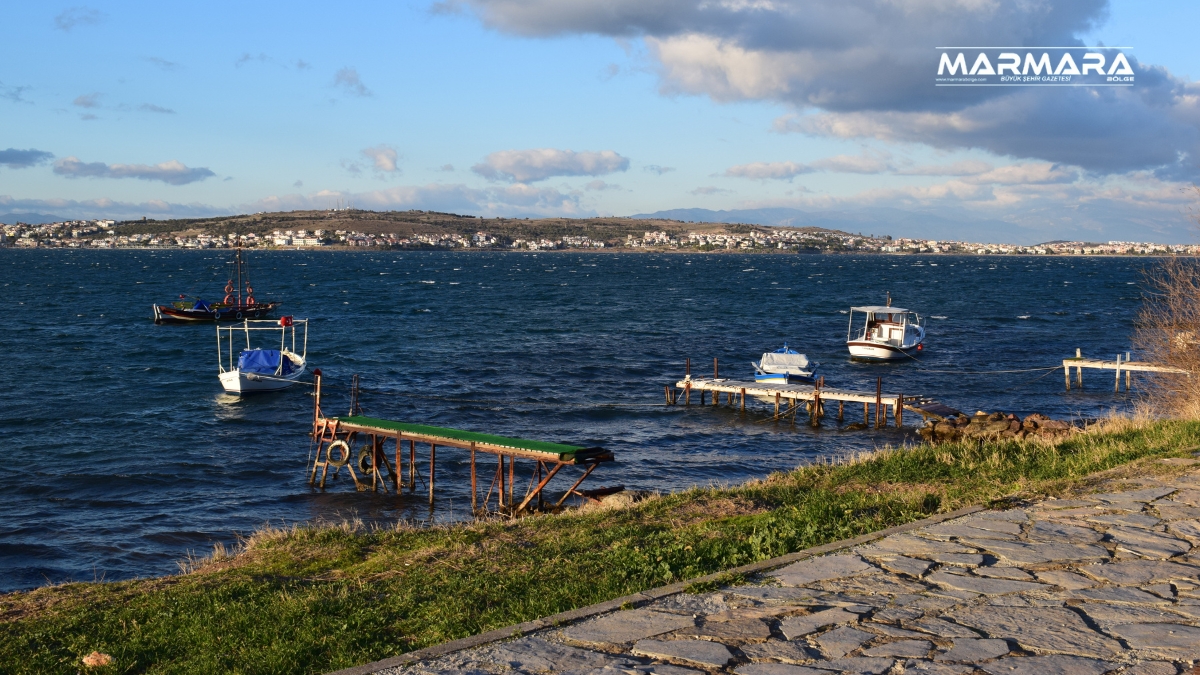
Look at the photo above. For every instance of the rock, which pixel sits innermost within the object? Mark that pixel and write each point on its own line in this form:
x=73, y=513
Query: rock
x=958, y=559
x=1143, y=495
x=911, y=546
x=1106, y=615
x=1186, y=529
x=776, y=650
x=533, y=654
x=731, y=632
x=913, y=649
x=1039, y=629
x=1138, y=572
x=1047, y=665
x=797, y=626
x=865, y=666
x=998, y=572
x=1117, y=594
x=891, y=631
x=1168, y=640
x=923, y=667
x=1151, y=668
x=945, y=629
x=841, y=641
x=773, y=593
x=1051, y=532
x=1029, y=553
x=973, y=527
x=982, y=585
x=1148, y=544
x=1053, y=426
x=1065, y=579
x=700, y=652
x=626, y=626
x=972, y=651
x=905, y=565
x=1127, y=520
x=777, y=669
x=821, y=568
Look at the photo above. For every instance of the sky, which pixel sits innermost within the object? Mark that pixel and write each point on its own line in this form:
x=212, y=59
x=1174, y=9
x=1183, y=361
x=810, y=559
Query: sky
x=528, y=108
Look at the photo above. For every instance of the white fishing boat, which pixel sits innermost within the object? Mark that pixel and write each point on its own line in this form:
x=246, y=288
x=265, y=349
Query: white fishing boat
x=884, y=333
x=785, y=366
x=257, y=369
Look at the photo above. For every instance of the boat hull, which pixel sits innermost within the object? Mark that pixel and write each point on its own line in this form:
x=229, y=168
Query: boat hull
x=874, y=351
x=237, y=382
x=785, y=378
x=166, y=314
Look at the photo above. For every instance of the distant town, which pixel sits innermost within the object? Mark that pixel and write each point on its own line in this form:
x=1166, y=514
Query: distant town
x=110, y=234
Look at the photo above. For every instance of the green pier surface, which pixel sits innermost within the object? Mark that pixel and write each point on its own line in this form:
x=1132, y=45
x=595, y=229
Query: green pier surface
x=562, y=452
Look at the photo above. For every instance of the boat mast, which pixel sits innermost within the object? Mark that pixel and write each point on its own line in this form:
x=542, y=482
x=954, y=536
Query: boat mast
x=237, y=265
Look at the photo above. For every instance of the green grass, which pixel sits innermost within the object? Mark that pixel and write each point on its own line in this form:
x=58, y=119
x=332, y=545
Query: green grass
x=311, y=600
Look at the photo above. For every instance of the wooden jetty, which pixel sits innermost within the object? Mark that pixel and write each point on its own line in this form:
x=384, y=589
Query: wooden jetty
x=1118, y=365
x=789, y=398
x=336, y=438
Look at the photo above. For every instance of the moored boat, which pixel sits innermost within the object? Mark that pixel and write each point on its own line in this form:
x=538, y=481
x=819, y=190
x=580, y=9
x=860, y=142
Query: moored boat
x=884, y=333
x=235, y=306
x=258, y=369
x=785, y=366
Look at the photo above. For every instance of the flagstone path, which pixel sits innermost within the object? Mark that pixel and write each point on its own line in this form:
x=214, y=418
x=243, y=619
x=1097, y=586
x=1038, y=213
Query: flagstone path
x=1108, y=583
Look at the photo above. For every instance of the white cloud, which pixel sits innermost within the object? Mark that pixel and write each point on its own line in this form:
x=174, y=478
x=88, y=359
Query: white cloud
x=347, y=80
x=172, y=172
x=598, y=185
x=78, y=16
x=383, y=157
x=524, y=166
x=91, y=100
x=708, y=190
x=865, y=68
x=23, y=159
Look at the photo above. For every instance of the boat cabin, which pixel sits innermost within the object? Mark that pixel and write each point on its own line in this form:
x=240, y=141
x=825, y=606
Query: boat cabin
x=884, y=325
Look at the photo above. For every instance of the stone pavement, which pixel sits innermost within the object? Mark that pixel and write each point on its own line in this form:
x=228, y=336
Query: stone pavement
x=1108, y=583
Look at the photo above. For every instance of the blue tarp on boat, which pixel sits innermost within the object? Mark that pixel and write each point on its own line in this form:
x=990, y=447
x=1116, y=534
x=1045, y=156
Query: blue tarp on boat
x=264, y=361
x=200, y=304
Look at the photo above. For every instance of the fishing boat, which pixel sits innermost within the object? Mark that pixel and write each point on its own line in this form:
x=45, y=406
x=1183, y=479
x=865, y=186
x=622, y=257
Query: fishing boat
x=884, y=333
x=235, y=306
x=785, y=366
x=258, y=369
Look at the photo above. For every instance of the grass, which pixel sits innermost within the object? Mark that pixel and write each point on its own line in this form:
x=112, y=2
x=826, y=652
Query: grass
x=314, y=599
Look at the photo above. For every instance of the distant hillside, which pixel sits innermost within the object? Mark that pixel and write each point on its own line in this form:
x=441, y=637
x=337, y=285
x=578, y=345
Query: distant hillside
x=30, y=218
x=407, y=223
x=879, y=221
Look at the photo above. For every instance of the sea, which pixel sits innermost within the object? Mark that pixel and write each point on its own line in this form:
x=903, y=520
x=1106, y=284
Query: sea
x=123, y=456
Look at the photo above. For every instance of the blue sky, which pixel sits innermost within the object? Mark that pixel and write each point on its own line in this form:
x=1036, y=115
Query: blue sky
x=565, y=107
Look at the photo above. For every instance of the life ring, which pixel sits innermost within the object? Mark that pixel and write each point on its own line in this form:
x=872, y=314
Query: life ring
x=229, y=299
x=249, y=291
x=365, y=461
x=256, y=313
x=229, y=287
x=239, y=315
x=249, y=299
x=343, y=448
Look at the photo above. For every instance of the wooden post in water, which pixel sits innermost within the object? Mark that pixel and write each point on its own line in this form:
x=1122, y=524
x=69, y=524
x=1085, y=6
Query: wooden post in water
x=743, y=399
x=898, y=413
x=687, y=369
x=412, y=466
x=687, y=392
x=715, y=376
x=1067, y=375
x=1127, y=373
x=878, y=400
x=474, y=506
x=776, y=405
x=512, y=465
x=866, y=414
x=841, y=410
x=432, y=463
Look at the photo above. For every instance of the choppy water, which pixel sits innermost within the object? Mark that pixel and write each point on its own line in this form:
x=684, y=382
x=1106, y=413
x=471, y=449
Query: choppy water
x=123, y=454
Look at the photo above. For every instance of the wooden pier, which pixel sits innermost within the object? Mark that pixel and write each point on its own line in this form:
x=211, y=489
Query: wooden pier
x=336, y=439
x=1118, y=365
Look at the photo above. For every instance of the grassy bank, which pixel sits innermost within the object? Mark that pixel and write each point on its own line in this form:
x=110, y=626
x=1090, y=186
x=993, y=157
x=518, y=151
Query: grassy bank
x=310, y=600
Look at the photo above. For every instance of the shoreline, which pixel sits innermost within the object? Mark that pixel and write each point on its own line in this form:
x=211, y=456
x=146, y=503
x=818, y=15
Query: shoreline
x=382, y=592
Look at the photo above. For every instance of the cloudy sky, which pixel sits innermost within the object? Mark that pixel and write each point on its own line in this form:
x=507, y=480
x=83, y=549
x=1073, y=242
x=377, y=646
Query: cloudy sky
x=609, y=107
